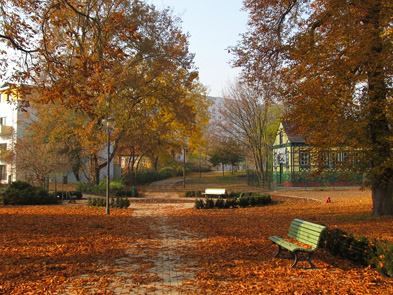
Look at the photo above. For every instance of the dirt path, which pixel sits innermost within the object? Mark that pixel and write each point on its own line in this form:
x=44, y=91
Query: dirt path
x=168, y=269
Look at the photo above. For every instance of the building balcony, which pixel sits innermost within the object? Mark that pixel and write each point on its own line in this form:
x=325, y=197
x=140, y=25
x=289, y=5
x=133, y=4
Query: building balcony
x=5, y=130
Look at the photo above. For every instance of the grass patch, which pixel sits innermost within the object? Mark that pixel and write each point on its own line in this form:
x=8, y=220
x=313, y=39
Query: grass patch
x=237, y=178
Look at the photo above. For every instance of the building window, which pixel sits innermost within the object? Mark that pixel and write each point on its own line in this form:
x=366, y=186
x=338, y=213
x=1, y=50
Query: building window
x=280, y=137
x=334, y=160
x=3, y=172
x=346, y=158
x=304, y=159
x=2, y=121
x=325, y=160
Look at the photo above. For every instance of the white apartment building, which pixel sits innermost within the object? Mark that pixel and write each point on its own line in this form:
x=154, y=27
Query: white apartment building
x=14, y=112
x=12, y=105
x=215, y=109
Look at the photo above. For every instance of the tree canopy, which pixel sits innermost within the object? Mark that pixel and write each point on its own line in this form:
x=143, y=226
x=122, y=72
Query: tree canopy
x=332, y=65
x=108, y=58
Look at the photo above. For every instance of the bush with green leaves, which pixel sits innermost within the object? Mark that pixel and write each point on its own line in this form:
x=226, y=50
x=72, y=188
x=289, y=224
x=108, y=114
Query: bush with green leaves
x=194, y=194
x=199, y=204
x=375, y=253
x=254, y=199
x=114, y=203
x=23, y=193
x=114, y=185
x=149, y=176
x=234, y=195
x=382, y=258
x=133, y=193
x=65, y=194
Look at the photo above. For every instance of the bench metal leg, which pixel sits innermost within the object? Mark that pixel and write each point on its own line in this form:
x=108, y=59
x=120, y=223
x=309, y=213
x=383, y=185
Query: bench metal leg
x=309, y=260
x=277, y=255
x=278, y=252
x=297, y=259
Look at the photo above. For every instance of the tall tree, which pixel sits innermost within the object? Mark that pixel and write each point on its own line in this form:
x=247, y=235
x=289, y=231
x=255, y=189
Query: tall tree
x=106, y=58
x=251, y=118
x=334, y=63
x=36, y=154
x=226, y=151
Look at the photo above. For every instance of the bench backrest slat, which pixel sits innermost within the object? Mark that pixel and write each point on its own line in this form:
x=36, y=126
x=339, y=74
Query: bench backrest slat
x=306, y=232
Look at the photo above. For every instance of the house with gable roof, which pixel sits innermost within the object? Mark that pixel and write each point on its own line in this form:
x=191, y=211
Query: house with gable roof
x=295, y=162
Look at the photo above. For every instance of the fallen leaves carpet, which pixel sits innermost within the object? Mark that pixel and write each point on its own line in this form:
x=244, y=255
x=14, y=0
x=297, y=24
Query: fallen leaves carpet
x=165, y=247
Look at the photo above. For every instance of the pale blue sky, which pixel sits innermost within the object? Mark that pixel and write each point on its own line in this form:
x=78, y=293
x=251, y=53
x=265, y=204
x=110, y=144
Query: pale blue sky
x=213, y=26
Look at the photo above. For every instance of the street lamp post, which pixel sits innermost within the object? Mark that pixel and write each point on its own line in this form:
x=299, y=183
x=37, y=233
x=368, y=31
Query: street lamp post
x=109, y=124
x=184, y=167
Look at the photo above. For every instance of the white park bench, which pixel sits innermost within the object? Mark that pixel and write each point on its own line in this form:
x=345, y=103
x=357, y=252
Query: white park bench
x=214, y=192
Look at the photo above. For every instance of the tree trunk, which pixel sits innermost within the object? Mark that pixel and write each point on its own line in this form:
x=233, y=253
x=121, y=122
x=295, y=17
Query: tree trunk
x=96, y=171
x=156, y=163
x=381, y=175
x=382, y=196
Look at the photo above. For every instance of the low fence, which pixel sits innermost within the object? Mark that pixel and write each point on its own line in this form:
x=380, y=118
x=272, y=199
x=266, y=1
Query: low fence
x=304, y=179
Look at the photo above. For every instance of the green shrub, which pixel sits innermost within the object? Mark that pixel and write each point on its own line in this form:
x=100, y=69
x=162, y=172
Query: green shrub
x=231, y=203
x=149, y=176
x=114, y=186
x=209, y=203
x=243, y=201
x=133, y=193
x=22, y=193
x=193, y=194
x=60, y=194
x=252, y=200
x=220, y=203
x=90, y=188
x=234, y=195
x=199, y=204
x=189, y=194
x=375, y=253
x=114, y=203
x=120, y=203
x=382, y=258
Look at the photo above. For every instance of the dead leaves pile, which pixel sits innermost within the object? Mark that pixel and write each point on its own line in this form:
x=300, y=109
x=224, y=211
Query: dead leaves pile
x=45, y=248
x=236, y=256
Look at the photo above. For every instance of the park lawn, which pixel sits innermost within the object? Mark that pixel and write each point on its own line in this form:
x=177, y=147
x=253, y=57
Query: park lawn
x=235, y=256
x=216, y=178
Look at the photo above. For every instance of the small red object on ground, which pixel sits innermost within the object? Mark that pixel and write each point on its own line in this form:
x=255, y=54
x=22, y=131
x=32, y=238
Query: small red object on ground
x=327, y=200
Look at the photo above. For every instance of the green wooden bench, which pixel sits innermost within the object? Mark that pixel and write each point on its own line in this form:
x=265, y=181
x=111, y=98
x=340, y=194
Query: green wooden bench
x=214, y=192
x=305, y=232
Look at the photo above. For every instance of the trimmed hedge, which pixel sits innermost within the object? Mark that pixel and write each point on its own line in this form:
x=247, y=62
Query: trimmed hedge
x=375, y=253
x=149, y=176
x=60, y=194
x=133, y=193
x=23, y=193
x=194, y=194
x=199, y=194
x=115, y=185
x=114, y=203
x=254, y=199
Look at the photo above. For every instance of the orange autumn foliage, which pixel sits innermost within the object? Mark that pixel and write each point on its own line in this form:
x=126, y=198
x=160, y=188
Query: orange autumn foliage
x=44, y=249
